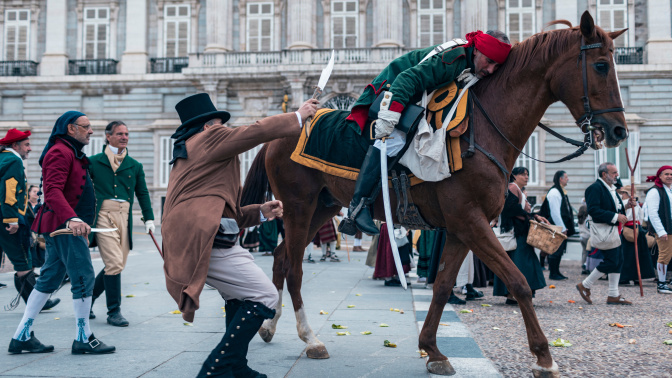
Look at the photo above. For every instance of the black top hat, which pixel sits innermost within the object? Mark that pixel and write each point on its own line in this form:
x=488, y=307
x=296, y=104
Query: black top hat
x=197, y=109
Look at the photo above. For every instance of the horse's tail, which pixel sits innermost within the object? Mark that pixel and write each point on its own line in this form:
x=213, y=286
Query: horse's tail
x=256, y=189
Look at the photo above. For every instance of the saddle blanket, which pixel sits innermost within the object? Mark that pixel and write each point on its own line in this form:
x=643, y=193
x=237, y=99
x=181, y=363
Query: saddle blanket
x=336, y=147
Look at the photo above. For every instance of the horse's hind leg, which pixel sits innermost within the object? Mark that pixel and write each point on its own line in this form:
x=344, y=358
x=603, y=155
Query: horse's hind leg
x=267, y=330
x=485, y=245
x=451, y=259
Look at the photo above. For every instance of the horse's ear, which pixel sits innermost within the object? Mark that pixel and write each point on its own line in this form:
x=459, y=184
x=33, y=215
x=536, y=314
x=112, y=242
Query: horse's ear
x=587, y=26
x=616, y=34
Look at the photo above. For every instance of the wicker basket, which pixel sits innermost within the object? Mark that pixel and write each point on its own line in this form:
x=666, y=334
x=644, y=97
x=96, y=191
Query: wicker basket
x=546, y=237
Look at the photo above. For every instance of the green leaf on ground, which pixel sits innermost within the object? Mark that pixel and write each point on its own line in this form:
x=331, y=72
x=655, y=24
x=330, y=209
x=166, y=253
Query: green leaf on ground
x=338, y=326
x=561, y=343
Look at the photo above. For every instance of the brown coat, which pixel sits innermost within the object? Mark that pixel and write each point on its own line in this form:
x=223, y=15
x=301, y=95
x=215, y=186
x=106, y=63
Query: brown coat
x=202, y=189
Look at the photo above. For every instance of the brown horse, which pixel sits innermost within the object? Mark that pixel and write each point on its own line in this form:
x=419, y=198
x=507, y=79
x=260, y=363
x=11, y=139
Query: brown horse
x=540, y=71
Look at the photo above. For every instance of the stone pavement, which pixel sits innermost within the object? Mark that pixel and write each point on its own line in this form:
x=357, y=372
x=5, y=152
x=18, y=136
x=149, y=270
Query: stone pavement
x=160, y=344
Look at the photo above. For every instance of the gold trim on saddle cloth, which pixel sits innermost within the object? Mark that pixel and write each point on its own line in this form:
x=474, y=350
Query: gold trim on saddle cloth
x=299, y=156
x=456, y=127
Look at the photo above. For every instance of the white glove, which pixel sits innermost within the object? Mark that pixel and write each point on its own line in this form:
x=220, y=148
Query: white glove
x=384, y=126
x=149, y=226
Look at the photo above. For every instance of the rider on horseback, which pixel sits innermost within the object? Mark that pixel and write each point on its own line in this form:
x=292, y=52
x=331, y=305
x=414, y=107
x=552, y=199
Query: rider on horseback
x=405, y=80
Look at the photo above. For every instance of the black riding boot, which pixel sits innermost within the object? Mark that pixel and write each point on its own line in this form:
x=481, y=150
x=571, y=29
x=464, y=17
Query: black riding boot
x=231, y=307
x=113, y=295
x=98, y=289
x=25, y=284
x=229, y=358
x=366, y=188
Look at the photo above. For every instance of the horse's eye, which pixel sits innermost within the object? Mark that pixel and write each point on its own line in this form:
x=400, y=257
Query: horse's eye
x=601, y=67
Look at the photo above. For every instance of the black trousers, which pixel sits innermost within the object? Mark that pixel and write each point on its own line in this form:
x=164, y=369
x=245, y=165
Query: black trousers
x=613, y=260
x=558, y=254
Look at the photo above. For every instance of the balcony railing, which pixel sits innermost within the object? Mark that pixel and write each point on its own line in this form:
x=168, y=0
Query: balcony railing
x=290, y=57
x=18, y=68
x=629, y=55
x=168, y=65
x=92, y=67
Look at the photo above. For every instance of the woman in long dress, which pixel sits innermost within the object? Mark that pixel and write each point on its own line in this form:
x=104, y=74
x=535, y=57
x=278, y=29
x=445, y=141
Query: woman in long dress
x=516, y=215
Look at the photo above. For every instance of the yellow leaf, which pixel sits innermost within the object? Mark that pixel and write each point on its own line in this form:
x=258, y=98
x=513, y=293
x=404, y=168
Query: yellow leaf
x=422, y=353
x=358, y=295
x=396, y=310
x=384, y=325
x=176, y=312
x=366, y=332
x=444, y=324
x=57, y=318
x=346, y=333
x=322, y=312
x=130, y=296
x=351, y=306
x=486, y=305
x=188, y=324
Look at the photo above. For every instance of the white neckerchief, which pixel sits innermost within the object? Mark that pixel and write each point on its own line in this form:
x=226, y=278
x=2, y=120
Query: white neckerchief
x=523, y=197
x=612, y=191
x=115, y=150
x=10, y=149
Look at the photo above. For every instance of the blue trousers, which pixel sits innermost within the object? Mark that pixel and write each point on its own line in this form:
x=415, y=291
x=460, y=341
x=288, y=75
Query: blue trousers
x=67, y=253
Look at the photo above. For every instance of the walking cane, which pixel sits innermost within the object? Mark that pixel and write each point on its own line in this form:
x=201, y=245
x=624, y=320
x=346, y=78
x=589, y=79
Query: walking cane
x=635, y=228
x=155, y=243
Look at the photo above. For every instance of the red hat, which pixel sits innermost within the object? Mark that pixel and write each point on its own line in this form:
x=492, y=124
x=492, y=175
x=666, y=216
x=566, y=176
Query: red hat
x=14, y=135
x=490, y=46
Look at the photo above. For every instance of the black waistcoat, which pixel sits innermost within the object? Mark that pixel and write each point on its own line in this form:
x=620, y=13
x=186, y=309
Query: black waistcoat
x=664, y=209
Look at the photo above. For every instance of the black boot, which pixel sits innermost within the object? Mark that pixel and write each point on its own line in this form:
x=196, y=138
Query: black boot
x=366, y=188
x=473, y=293
x=554, y=269
x=113, y=295
x=24, y=285
x=454, y=299
x=229, y=358
x=98, y=289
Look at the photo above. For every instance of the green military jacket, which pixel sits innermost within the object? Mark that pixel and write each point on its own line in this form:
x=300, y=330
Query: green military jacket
x=122, y=184
x=408, y=80
x=13, y=187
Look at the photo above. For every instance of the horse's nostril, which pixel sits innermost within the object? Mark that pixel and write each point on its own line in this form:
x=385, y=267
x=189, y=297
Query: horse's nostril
x=620, y=132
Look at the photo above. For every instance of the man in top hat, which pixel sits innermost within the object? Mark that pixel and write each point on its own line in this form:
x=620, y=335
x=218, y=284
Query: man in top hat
x=69, y=202
x=201, y=220
x=15, y=232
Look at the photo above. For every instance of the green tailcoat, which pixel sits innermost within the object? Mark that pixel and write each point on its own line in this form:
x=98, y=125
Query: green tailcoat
x=122, y=184
x=13, y=187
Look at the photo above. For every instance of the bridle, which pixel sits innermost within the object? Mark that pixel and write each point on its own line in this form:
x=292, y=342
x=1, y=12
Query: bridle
x=585, y=121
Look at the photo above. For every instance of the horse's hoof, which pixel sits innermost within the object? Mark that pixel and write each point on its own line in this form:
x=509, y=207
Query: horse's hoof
x=540, y=372
x=441, y=367
x=318, y=352
x=265, y=334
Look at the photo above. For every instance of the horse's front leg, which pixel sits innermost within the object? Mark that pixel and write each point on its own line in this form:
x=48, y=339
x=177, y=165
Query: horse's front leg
x=485, y=245
x=267, y=330
x=451, y=259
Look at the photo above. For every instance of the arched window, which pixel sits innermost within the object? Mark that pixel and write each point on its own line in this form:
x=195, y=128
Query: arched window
x=341, y=102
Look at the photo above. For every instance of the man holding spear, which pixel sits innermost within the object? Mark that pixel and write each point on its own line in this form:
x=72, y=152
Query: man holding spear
x=658, y=201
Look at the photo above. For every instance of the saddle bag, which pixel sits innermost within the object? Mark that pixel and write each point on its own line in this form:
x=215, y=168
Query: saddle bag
x=410, y=117
x=227, y=234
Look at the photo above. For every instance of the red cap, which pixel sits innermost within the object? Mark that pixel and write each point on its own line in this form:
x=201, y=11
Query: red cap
x=14, y=135
x=490, y=46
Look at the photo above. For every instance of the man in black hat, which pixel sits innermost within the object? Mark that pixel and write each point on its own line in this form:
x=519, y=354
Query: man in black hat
x=201, y=220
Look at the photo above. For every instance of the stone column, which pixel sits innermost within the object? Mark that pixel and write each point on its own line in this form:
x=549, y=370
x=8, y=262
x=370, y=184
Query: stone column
x=55, y=60
x=474, y=15
x=297, y=92
x=134, y=59
x=210, y=87
x=659, y=45
x=387, y=19
x=301, y=24
x=568, y=10
x=219, y=18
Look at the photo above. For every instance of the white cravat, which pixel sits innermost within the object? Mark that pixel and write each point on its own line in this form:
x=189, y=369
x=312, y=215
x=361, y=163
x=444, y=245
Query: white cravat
x=10, y=149
x=617, y=205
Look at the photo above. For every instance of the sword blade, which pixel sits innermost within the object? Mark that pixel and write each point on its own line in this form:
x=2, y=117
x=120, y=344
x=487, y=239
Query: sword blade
x=103, y=229
x=326, y=72
x=388, y=214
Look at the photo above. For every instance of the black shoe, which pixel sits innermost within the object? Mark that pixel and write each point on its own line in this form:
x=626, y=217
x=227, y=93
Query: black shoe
x=511, y=302
x=393, y=282
x=117, y=320
x=585, y=272
x=474, y=292
x=557, y=277
x=32, y=345
x=454, y=299
x=366, y=191
x=51, y=303
x=2, y=285
x=91, y=314
x=94, y=346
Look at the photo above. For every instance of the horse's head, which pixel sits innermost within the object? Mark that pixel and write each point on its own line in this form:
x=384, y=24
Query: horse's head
x=589, y=87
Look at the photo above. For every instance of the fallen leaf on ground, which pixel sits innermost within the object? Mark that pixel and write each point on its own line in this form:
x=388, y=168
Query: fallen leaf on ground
x=515, y=312
x=358, y=295
x=346, y=333
x=338, y=326
x=667, y=342
x=580, y=308
x=670, y=332
x=444, y=324
x=130, y=296
x=669, y=324
x=485, y=305
x=176, y=312
x=223, y=308
x=351, y=306
x=632, y=341
x=561, y=343
x=283, y=305
x=389, y=344
x=552, y=287
x=57, y=318
x=366, y=332
x=619, y=325
x=384, y=325
x=560, y=330
x=396, y=310
x=466, y=311
x=188, y=324
x=422, y=353
x=571, y=301
x=495, y=328
x=322, y=312
x=146, y=283
x=550, y=301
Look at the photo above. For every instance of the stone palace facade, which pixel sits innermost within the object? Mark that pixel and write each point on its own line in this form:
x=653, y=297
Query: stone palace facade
x=133, y=60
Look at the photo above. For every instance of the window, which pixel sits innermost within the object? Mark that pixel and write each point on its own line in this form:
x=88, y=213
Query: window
x=344, y=24
x=96, y=33
x=431, y=22
x=95, y=146
x=165, y=156
x=520, y=19
x=246, y=159
x=259, y=26
x=612, y=15
x=617, y=156
x=176, y=30
x=531, y=148
x=17, y=30
x=341, y=102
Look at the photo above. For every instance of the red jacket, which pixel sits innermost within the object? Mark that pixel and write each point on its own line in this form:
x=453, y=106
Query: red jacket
x=64, y=177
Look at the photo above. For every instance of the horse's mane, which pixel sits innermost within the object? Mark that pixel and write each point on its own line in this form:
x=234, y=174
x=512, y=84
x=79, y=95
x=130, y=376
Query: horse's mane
x=539, y=48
